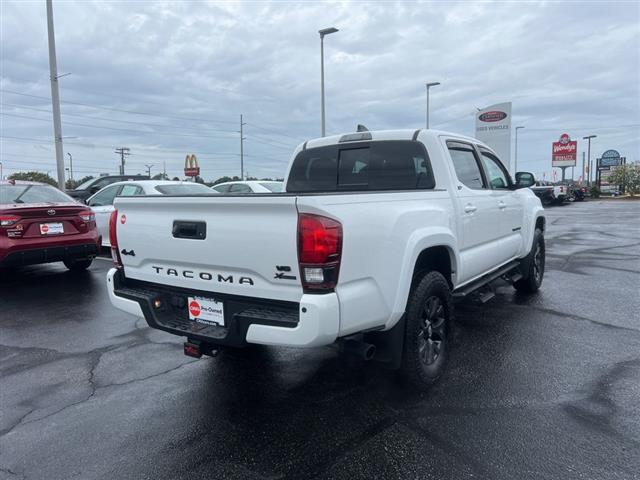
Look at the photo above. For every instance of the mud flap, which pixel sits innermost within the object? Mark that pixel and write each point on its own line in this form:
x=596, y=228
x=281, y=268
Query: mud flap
x=389, y=345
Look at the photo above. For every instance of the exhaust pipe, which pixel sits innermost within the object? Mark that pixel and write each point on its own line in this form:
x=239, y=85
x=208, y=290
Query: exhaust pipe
x=359, y=348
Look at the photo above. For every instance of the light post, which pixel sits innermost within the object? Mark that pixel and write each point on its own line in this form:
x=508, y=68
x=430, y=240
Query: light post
x=429, y=85
x=70, y=166
x=323, y=32
x=515, y=164
x=588, y=138
x=1, y=171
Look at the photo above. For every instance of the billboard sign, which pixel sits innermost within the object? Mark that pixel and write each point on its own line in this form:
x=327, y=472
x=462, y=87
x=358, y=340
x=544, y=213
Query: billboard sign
x=493, y=127
x=610, y=158
x=191, y=167
x=564, y=152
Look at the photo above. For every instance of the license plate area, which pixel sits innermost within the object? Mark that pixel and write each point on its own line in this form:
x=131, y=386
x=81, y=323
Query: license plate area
x=56, y=228
x=206, y=311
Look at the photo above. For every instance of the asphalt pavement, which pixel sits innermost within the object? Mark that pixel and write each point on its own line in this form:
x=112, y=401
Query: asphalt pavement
x=542, y=387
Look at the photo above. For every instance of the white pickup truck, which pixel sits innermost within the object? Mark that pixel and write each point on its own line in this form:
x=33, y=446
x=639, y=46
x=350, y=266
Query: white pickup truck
x=375, y=236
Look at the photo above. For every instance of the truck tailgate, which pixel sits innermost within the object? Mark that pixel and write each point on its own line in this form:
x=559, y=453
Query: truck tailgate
x=245, y=245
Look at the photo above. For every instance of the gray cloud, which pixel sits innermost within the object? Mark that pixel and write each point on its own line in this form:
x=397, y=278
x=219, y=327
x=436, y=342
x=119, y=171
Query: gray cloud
x=190, y=69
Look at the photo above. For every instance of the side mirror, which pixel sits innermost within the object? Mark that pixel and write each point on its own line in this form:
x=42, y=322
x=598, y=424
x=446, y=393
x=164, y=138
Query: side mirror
x=525, y=179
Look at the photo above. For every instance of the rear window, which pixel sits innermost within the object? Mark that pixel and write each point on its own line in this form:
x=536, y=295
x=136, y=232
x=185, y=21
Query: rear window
x=384, y=165
x=32, y=194
x=184, y=189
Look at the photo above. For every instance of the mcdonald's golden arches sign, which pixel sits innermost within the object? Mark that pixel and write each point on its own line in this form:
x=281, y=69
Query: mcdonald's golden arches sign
x=191, y=167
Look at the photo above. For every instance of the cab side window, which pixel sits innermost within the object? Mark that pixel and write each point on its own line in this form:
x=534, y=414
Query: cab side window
x=240, y=188
x=465, y=163
x=104, y=197
x=496, y=173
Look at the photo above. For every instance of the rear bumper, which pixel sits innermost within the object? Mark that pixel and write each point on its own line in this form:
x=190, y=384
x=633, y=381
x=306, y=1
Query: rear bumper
x=33, y=256
x=313, y=322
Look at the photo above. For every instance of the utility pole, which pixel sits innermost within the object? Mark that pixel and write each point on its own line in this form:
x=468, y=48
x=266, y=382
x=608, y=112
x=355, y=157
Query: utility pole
x=55, y=97
x=242, y=139
x=123, y=152
x=164, y=170
x=588, y=138
x=582, y=176
x=149, y=169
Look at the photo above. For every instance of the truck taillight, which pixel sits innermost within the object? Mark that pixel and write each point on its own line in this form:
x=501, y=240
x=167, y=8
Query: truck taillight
x=113, y=239
x=8, y=220
x=319, y=252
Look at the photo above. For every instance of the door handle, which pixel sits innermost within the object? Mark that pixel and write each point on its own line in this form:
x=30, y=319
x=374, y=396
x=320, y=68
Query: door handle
x=468, y=208
x=502, y=205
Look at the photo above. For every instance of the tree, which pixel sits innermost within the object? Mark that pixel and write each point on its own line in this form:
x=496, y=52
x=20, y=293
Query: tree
x=627, y=177
x=71, y=184
x=225, y=179
x=34, y=177
x=160, y=176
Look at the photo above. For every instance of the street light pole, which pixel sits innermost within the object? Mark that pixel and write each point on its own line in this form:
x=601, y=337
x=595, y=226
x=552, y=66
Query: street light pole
x=515, y=164
x=429, y=85
x=323, y=32
x=588, y=138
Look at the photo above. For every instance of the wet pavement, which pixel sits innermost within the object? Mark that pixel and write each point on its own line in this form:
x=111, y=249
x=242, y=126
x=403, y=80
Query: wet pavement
x=537, y=387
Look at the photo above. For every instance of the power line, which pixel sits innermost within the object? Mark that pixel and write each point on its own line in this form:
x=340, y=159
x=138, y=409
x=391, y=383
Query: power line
x=93, y=117
x=136, y=132
x=97, y=145
x=133, y=112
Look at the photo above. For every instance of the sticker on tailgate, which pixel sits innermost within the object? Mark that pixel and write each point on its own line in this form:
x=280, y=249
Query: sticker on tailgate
x=206, y=310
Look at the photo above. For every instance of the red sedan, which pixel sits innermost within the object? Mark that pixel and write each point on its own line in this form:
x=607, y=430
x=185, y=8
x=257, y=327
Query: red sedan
x=41, y=224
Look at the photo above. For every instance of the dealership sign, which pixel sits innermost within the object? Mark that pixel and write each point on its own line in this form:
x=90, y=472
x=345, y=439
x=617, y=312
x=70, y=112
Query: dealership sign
x=191, y=167
x=610, y=158
x=493, y=127
x=564, y=151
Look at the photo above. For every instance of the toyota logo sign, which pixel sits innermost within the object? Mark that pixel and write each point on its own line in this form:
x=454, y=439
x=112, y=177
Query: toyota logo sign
x=51, y=212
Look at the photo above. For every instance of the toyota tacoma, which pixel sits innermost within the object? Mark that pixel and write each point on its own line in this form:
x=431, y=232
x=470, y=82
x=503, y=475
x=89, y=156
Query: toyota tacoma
x=376, y=234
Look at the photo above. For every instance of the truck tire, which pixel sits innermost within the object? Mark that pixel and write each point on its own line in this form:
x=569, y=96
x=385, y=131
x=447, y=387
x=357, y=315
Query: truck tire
x=428, y=319
x=532, y=279
x=78, y=265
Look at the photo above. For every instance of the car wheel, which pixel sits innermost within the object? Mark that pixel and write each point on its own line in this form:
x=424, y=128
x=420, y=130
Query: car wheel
x=78, y=265
x=428, y=319
x=532, y=279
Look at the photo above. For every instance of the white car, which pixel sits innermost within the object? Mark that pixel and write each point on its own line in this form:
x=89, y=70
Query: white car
x=251, y=186
x=375, y=236
x=102, y=201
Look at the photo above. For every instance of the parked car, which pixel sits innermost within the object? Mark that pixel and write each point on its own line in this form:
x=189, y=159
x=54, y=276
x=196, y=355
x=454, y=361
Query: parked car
x=251, y=186
x=41, y=224
x=88, y=188
x=376, y=234
x=102, y=202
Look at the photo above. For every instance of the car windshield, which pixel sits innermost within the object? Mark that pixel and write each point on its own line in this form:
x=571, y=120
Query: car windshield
x=184, y=189
x=275, y=187
x=84, y=185
x=32, y=194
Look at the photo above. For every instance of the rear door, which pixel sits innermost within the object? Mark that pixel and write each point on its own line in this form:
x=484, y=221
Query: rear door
x=245, y=245
x=479, y=215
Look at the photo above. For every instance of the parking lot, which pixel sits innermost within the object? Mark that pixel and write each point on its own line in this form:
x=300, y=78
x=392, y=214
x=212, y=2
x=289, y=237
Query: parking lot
x=537, y=387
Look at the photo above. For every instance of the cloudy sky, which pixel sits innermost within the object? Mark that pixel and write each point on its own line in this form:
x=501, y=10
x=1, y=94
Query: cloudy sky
x=166, y=79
